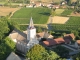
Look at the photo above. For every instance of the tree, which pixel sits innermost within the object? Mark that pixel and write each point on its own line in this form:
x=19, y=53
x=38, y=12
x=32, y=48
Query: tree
x=4, y=29
x=6, y=47
x=38, y=52
x=12, y=25
x=53, y=55
x=76, y=57
x=60, y=52
x=35, y=53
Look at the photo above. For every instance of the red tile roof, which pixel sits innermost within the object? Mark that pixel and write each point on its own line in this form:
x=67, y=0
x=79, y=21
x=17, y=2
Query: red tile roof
x=67, y=38
x=54, y=41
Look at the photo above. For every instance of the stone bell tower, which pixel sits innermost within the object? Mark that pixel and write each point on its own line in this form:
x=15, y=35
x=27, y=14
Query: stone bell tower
x=31, y=31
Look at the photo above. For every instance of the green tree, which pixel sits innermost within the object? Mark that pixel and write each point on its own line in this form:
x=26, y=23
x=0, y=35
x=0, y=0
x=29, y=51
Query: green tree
x=12, y=25
x=38, y=52
x=6, y=47
x=35, y=53
x=53, y=55
x=4, y=29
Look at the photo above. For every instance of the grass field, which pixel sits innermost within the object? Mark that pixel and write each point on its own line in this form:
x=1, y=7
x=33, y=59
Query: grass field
x=74, y=21
x=72, y=24
x=59, y=11
x=66, y=12
x=40, y=15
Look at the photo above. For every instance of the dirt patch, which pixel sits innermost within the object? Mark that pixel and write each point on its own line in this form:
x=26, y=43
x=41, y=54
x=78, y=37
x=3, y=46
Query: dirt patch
x=75, y=14
x=58, y=20
x=4, y=11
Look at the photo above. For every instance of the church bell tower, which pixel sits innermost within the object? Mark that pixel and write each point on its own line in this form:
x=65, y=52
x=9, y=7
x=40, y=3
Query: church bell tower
x=31, y=31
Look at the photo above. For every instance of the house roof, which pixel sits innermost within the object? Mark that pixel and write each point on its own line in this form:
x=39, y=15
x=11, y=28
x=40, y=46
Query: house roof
x=54, y=41
x=78, y=41
x=18, y=35
x=44, y=35
x=71, y=35
x=13, y=56
x=40, y=34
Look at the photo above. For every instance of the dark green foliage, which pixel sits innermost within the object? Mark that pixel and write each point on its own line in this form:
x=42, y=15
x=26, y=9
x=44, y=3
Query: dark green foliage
x=60, y=52
x=4, y=29
x=6, y=44
x=6, y=47
x=6, y=26
x=76, y=57
x=12, y=25
x=40, y=15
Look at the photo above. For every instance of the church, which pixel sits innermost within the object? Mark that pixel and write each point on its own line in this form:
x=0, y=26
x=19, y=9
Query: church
x=24, y=40
x=27, y=39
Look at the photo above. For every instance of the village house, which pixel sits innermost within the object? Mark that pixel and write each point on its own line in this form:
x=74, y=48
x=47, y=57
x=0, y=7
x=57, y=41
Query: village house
x=66, y=40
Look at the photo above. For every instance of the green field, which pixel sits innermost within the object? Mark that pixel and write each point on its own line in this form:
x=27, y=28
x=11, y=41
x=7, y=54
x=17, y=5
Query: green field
x=66, y=12
x=59, y=11
x=40, y=15
x=74, y=21
x=72, y=24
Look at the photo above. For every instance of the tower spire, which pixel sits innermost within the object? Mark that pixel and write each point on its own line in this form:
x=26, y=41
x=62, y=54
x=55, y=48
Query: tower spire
x=31, y=25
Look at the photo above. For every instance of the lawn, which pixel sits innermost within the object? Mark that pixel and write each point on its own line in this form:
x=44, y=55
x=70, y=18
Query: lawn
x=66, y=12
x=40, y=15
x=59, y=11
